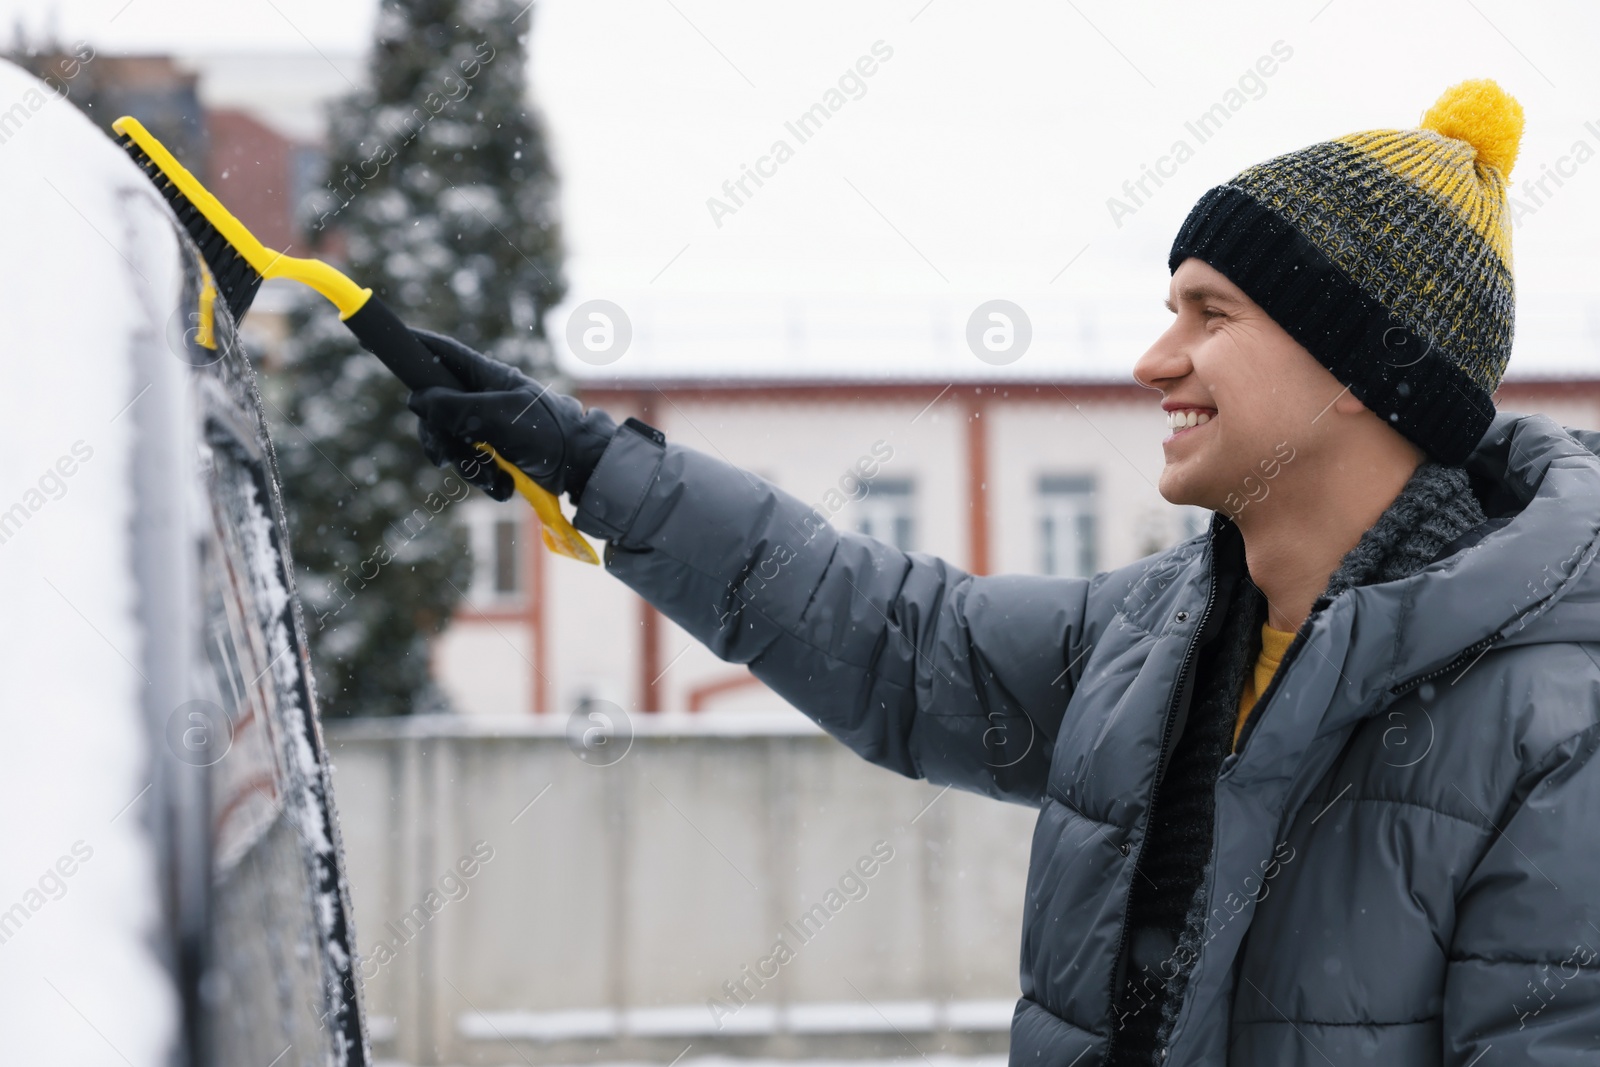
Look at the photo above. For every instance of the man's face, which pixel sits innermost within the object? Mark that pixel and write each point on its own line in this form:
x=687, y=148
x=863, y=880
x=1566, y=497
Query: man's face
x=1267, y=398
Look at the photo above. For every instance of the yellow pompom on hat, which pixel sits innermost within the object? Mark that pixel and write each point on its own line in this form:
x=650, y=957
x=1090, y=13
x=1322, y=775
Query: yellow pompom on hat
x=1387, y=255
x=1482, y=114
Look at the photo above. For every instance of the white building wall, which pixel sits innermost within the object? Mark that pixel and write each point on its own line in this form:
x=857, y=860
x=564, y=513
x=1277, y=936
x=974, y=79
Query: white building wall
x=486, y=668
x=1118, y=443
x=812, y=451
x=593, y=636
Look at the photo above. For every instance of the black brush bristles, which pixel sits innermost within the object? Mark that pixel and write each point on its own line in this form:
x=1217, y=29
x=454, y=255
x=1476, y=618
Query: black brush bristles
x=237, y=281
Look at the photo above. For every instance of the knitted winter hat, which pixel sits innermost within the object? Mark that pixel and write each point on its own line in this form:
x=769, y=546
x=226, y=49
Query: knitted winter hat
x=1387, y=255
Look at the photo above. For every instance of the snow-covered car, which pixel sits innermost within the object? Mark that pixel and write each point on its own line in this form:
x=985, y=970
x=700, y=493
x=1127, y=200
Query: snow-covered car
x=171, y=887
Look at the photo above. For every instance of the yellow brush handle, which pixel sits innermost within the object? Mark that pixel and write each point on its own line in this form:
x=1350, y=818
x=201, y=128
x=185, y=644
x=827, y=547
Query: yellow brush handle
x=559, y=535
x=345, y=295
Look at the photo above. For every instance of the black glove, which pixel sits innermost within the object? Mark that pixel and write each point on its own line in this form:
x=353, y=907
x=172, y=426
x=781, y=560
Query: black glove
x=545, y=433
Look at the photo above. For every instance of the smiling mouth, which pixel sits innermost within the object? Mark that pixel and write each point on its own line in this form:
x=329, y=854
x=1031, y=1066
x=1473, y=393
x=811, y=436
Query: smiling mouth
x=1186, y=421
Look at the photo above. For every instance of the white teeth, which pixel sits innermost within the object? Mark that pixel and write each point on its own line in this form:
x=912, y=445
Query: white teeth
x=1180, y=420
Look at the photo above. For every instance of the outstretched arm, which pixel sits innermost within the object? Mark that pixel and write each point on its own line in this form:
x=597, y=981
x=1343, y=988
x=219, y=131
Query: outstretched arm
x=914, y=663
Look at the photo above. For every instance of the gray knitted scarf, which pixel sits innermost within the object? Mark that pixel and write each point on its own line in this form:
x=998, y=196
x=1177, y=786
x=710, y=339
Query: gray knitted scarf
x=1435, y=507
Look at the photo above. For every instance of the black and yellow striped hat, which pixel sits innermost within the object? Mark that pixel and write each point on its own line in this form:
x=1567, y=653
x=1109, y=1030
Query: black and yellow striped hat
x=1387, y=255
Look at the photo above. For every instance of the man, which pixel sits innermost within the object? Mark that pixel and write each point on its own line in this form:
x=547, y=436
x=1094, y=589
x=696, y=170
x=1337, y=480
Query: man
x=1317, y=786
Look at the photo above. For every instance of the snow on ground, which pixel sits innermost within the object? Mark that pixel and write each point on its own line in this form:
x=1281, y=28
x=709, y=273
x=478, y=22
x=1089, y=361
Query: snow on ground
x=88, y=257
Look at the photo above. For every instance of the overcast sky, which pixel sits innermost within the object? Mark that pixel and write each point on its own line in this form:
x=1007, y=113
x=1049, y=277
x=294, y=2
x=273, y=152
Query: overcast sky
x=976, y=162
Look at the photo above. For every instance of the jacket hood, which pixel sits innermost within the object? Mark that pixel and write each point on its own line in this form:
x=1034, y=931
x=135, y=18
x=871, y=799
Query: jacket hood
x=1524, y=576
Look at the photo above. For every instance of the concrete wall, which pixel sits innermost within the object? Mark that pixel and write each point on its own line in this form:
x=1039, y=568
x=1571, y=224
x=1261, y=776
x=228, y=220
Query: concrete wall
x=607, y=906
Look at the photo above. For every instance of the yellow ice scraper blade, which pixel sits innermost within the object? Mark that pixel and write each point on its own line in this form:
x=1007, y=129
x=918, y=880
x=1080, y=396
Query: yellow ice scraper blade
x=559, y=536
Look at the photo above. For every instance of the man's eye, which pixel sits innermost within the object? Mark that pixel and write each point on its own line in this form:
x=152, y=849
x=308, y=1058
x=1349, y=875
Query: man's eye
x=1213, y=312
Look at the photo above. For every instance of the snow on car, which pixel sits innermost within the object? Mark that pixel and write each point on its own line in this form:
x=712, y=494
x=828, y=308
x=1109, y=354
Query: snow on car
x=171, y=885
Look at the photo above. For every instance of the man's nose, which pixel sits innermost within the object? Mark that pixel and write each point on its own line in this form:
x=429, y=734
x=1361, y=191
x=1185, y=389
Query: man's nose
x=1162, y=361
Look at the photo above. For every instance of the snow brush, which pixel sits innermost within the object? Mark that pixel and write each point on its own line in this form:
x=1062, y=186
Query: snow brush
x=238, y=263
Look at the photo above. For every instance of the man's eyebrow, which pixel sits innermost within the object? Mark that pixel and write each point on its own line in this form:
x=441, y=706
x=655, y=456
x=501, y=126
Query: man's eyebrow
x=1192, y=293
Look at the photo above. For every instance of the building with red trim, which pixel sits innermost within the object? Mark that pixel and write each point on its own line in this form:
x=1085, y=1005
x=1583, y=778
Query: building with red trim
x=993, y=476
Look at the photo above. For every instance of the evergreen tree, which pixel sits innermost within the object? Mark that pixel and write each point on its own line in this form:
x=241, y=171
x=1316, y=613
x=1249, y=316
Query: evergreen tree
x=440, y=192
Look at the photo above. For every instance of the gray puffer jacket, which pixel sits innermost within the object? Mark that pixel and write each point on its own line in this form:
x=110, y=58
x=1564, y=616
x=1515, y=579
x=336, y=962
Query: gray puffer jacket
x=1409, y=833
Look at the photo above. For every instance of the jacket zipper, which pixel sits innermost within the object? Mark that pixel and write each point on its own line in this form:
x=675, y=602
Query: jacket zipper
x=1302, y=635
x=1119, y=970
x=1471, y=650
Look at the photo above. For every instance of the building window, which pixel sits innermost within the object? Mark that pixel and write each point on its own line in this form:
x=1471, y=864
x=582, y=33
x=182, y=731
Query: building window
x=505, y=557
x=496, y=533
x=885, y=512
x=1067, y=536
